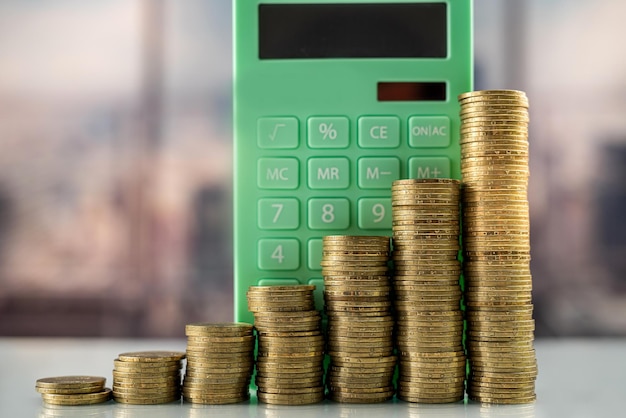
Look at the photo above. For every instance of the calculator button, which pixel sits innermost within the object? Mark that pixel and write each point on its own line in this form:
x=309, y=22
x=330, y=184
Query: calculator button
x=278, y=282
x=429, y=167
x=279, y=213
x=277, y=133
x=318, y=293
x=329, y=213
x=329, y=173
x=379, y=132
x=314, y=254
x=328, y=132
x=378, y=173
x=374, y=213
x=278, y=254
x=429, y=131
x=278, y=173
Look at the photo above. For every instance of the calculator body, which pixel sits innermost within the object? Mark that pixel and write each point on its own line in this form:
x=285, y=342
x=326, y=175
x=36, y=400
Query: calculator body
x=333, y=100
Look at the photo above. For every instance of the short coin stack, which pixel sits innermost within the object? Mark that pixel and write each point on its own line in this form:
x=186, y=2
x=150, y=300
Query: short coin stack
x=220, y=362
x=290, y=369
x=357, y=295
x=494, y=165
x=73, y=390
x=429, y=333
x=147, y=377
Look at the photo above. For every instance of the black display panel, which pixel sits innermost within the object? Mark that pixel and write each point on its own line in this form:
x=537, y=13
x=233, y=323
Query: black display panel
x=411, y=91
x=377, y=30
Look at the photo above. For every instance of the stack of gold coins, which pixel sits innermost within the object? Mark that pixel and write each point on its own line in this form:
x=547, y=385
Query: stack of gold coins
x=357, y=295
x=220, y=362
x=429, y=333
x=494, y=165
x=147, y=377
x=290, y=369
x=73, y=390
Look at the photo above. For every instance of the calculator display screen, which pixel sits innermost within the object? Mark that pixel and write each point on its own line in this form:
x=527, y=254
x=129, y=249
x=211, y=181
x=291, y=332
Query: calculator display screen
x=373, y=30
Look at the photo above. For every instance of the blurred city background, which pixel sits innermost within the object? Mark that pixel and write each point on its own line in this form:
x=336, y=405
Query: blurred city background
x=116, y=148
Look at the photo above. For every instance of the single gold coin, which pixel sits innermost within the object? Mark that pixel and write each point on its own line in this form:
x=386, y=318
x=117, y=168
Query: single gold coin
x=70, y=382
x=206, y=329
x=151, y=356
x=290, y=399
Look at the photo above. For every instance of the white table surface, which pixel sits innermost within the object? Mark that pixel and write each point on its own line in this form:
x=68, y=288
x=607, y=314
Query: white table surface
x=577, y=378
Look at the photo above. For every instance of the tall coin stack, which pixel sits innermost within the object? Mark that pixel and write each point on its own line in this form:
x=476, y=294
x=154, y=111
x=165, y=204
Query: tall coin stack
x=494, y=165
x=147, y=377
x=429, y=333
x=357, y=295
x=220, y=362
x=290, y=369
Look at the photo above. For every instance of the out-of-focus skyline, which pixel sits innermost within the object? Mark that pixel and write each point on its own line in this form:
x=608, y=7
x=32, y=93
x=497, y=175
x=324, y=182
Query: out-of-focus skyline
x=115, y=161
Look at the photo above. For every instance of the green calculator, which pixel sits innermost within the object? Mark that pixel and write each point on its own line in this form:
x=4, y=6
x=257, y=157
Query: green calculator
x=333, y=101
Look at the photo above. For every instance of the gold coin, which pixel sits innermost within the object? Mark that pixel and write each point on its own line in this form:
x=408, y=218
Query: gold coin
x=77, y=399
x=353, y=271
x=358, y=293
x=234, y=395
x=434, y=359
x=436, y=393
x=354, y=346
x=143, y=378
x=356, y=239
x=205, y=341
x=146, y=392
x=212, y=400
x=364, y=324
x=426, y=400
x=371, y=285
x=490, y=144
x=147, y=366
x=70, y=382
x=151, y=356
x=504, y=379
x=493, y=111
x=289, y=381
x=317, y=373
x=425, y=182
x=301, y=300
x=500, y=394
x=213, y=388
x=275, y=355
x=342, y=351
x=491, y=93
x=501, y=386
x=70, y=391
x=218, y=377
x=360, y=398
x=205, y=329
x=310, y=315
x=360, y=391
x=289, y=399
x=146, y=401
x=271, y=349
x=442, y=374
x=509, y=401
x=469, y=126
x=358, y=385
x=301, y=365
x=266, y=329
x=361, y=372
x=281, y=289
x=292, y=391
